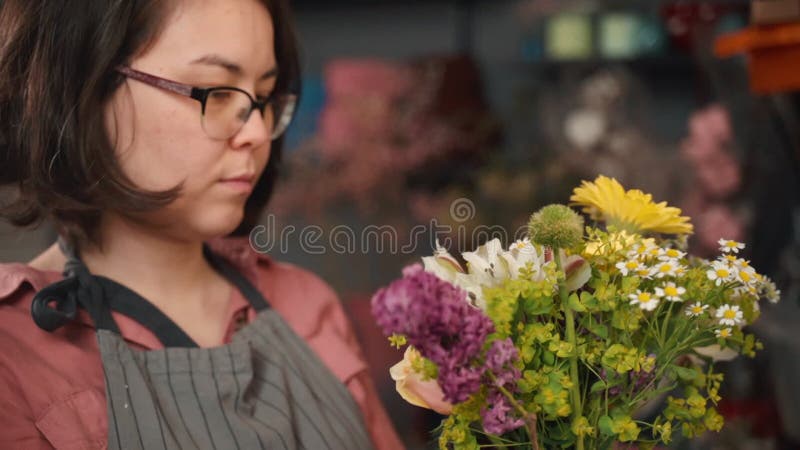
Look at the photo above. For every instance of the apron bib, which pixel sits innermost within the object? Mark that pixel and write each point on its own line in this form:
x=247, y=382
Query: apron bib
x=266, y=389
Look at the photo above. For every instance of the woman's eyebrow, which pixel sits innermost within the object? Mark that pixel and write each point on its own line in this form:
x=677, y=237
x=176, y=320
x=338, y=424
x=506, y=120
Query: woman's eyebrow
x=230, y=66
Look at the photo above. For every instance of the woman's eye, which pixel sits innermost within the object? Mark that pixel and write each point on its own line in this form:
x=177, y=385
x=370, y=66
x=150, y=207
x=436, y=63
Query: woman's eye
x=220, y=95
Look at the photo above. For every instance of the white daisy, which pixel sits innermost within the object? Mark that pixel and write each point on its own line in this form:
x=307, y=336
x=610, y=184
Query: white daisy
x=733, y=261
x=746, y=275
x=629, y=266
x=671, y=253
x=723, y=333
x=719, y=272
x=743, y=291
x=645, y=300
x=668, y=268
x=671, y=292
x=728, y=246
x=644, y=272
x=768, y=289
x=729, y=315
x=641, y=250
x=696, y=309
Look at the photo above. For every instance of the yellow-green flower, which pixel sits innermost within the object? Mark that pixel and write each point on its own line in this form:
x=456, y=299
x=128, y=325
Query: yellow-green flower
x=633, y=210
x=626, y=429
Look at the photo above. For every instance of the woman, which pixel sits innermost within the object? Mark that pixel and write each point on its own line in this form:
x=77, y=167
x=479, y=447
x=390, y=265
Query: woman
x=146, y=131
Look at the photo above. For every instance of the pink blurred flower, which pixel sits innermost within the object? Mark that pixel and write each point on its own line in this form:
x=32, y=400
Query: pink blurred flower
x=718, y=221
x=720, y=176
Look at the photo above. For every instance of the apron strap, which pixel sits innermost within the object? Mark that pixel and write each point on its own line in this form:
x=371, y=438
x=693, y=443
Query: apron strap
x=57, y=304
x=250, y=293
x=129, y=303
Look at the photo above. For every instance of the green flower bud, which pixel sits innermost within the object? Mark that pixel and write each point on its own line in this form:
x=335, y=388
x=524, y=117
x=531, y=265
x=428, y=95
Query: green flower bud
x=556, y=226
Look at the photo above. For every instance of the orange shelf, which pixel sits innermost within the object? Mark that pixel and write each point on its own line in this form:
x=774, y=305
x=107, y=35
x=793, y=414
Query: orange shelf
x=774, y=55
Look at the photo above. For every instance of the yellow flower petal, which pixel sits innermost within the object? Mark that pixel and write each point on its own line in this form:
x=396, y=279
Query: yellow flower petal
x=606, y=199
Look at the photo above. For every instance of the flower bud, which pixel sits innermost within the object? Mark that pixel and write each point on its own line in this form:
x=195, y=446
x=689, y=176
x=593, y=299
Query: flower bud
x=556, y=226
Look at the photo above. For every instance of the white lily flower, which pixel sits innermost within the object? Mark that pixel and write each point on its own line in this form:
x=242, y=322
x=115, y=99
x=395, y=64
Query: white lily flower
x=519, y=255
x=486, y=263
x=442, y=264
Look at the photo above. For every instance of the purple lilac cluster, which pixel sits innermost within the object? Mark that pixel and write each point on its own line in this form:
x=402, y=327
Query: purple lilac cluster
x=437, y=320
x=498, y=415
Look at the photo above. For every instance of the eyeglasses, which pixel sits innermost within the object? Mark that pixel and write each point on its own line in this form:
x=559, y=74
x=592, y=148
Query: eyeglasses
x=226, y=109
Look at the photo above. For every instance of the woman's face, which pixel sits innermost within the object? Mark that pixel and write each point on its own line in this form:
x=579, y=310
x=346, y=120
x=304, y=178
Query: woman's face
x=158, y=135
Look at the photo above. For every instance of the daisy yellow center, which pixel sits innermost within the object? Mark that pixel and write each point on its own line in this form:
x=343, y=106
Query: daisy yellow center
x=723, y=273
x=745, y=277
x=665, y=268
x=630, y=265
x=645, y=297
x=697, y=309
x=731, y=244
x=643, y=272
x=729, y=314
x=730, y=258
x=671, y=291
x=672, y=253
x=725, y=333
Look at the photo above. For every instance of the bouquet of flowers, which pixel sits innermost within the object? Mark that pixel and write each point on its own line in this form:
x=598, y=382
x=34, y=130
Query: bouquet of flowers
x=558, y=340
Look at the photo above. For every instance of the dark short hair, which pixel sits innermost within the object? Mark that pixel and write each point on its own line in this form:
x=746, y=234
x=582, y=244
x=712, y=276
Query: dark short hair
x=57, y=62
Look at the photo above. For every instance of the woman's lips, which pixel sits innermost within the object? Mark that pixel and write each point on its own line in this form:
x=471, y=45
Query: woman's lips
x=241, y=184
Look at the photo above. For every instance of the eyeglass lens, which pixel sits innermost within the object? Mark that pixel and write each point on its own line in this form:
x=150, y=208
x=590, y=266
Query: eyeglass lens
x=227, y=110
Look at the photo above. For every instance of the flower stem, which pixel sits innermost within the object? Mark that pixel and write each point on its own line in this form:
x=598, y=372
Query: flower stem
x=528, y=417
x=569, y=318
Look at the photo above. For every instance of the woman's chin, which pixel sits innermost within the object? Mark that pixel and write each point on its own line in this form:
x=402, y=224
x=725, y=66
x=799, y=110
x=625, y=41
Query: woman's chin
x=219, y=224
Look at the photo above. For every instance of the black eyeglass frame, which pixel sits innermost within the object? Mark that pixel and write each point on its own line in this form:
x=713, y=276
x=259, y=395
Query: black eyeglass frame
x=202, y=94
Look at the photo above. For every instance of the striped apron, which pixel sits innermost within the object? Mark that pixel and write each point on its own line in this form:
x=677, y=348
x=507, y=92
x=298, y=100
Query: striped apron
x=265, y=390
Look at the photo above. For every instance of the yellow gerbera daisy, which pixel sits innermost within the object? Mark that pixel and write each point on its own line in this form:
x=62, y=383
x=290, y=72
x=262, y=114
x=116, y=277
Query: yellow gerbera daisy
x=605, y=199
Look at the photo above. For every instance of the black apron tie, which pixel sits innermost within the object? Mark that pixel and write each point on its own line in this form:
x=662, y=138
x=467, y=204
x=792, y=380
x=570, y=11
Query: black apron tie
x=78, y=287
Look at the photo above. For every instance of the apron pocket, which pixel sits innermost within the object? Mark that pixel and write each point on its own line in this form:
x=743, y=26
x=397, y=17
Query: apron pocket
x=77, y=422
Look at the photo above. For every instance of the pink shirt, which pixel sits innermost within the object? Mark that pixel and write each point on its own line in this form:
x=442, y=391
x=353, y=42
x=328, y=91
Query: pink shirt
x=52, y=393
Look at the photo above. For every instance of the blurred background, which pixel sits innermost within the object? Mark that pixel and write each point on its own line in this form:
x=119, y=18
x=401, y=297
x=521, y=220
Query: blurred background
x=505, y=105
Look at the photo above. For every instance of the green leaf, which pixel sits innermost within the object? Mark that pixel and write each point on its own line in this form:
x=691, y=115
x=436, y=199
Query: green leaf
x=598, y=386
x=537, y=306
x=597, y=328
x=684, y=373
x=605, y=425
x=575, y=303
x=589, y=300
